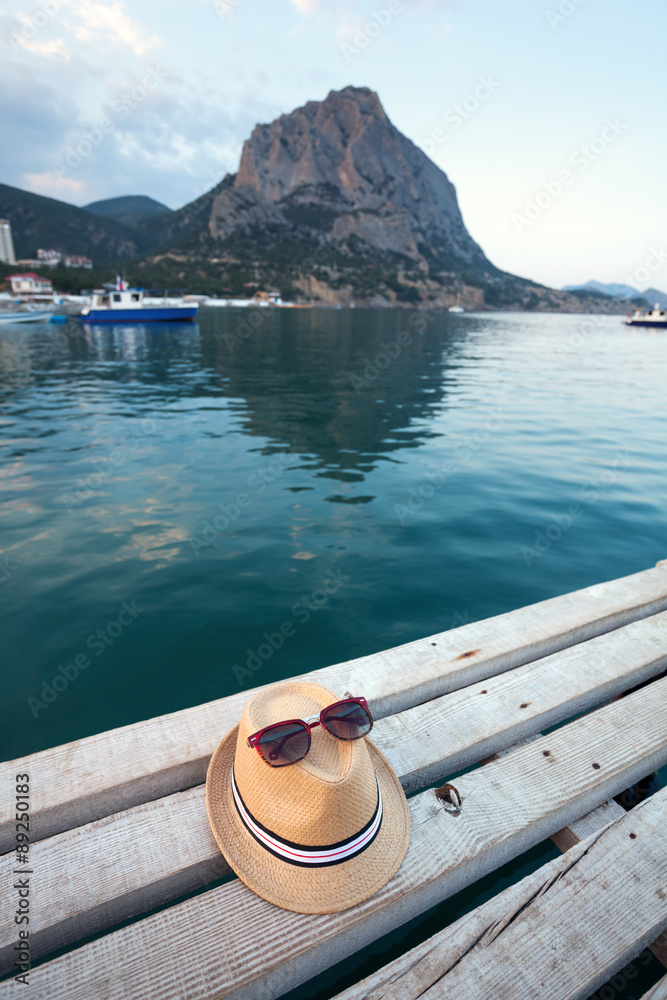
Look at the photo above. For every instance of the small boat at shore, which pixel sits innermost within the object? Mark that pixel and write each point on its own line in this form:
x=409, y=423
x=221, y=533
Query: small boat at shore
x=652, y=317
x=127, y=305
x=24, y=312
x=457, y=308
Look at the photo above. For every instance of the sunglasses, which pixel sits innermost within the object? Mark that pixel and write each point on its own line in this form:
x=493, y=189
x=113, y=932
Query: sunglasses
x=286, y=742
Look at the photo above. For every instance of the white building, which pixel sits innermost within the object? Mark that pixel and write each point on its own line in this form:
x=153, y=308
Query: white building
x=7, y=255
x=30, y=284
x=49, y=258
x=76, y=260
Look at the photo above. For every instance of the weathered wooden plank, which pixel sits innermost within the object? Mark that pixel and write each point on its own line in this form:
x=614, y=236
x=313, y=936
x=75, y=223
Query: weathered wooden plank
x=458, y=937
x=659, y=948
x=519, y=944
x=138, y=859
x=658, y=992
x=584, y=827
x=507, y=807
x=494, y=713
x=100, y=775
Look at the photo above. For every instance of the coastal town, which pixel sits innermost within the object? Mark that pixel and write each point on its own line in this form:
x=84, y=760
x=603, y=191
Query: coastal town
x=29, y=287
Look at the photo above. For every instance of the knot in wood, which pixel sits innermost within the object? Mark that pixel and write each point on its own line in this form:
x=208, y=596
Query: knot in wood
x=450, y=798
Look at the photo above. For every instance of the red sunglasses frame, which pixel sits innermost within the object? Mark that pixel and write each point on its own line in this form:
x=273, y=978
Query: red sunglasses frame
x=254, y=739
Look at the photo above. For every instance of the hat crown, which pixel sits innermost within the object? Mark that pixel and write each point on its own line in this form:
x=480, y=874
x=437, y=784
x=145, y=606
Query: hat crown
x=326, y=797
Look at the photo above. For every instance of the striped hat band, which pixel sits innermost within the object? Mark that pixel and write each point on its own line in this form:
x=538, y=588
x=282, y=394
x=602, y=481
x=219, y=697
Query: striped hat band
x=304, y=856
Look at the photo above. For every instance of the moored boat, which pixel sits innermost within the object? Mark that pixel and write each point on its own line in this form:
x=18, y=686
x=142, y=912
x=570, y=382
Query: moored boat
x=457, y=308
x=650, y=317
x=127, y=305
x=24, y=312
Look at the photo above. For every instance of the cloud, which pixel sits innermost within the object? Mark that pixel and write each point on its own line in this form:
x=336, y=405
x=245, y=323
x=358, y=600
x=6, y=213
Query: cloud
x=104, y=24
x=55, y=47
x=62, y=188
x=89, y=64
x=306, y=7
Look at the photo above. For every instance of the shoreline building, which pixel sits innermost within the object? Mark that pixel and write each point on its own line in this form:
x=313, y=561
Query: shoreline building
x=49, y=258
x=7, y=255
x=30, y=284
x=77, y=260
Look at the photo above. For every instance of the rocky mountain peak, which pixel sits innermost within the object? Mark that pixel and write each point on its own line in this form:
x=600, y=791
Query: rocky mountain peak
x=340, y=168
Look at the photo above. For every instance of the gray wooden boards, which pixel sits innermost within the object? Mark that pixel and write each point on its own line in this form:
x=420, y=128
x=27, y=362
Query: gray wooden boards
x=138, y=859
x=97, y=776
x=210, y=947
x=659, y=991
x=559, y=934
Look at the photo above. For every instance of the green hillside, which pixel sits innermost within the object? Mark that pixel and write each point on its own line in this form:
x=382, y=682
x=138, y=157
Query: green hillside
x=39, y=222
x=128, y=209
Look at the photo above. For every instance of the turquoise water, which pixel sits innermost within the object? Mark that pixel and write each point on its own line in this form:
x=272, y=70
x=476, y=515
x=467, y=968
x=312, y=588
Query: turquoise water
x=172, y=496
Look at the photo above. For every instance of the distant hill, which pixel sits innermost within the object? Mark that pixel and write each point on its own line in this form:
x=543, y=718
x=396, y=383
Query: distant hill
x=616, y=291
x=46, y=223
x=128, y=209
x=651, y=295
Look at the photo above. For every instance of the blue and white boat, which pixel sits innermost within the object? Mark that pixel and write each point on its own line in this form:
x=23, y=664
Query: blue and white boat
x=127, y=305
x=652, y=317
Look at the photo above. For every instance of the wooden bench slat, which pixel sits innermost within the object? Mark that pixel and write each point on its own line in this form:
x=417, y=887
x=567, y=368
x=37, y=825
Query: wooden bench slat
x=581, y=829
x=462, y=934
x=659, y=948
x=97, y=776
x=520, y=702
x=584, y=827
x=657, y=992
x=209, y=946
x=103, y=889
x=559, y=934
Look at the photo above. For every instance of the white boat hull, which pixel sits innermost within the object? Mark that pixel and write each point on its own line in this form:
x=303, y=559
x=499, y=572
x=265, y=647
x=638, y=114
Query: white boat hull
x=24, y=317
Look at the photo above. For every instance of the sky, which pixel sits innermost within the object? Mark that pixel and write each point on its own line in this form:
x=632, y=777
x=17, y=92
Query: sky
x=547, y=115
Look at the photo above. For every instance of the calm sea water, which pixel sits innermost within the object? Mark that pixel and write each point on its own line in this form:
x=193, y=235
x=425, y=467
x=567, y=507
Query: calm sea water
x=172, y=495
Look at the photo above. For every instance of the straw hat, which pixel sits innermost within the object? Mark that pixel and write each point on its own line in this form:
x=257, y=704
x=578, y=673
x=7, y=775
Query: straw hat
x=343, y=797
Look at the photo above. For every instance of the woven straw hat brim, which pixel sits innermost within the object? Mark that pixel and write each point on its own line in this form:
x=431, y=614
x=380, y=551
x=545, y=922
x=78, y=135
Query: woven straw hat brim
x=320, y=890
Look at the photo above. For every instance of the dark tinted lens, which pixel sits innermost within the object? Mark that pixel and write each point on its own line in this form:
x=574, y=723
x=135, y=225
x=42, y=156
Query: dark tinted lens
x=282, y=745
x=347, y=721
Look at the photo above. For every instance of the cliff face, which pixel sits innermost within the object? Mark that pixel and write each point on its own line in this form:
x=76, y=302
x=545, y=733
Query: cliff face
x=340, y=168
x=331, y=204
